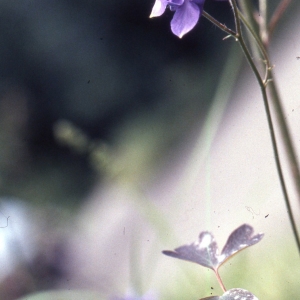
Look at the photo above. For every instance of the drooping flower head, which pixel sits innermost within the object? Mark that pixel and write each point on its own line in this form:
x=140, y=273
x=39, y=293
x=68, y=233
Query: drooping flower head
x=187, y=14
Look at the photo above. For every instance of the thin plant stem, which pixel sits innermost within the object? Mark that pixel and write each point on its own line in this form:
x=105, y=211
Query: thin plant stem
x=270, y=122
x=287, y=141
x=281, y=8
x=260, y=46
x=276, y=102
x=263, y=21
x=218, y=24
x=220, y=281
x=248, y=9
x=255, y=36
x=236, y=18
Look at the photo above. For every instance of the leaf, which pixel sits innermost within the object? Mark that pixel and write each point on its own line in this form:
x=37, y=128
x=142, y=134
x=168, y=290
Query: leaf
x=233, y=294
x=239, y=239
x=205, y=250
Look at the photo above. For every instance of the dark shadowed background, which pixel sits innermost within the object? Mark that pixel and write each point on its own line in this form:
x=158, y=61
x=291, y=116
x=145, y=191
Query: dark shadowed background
x=97, y=64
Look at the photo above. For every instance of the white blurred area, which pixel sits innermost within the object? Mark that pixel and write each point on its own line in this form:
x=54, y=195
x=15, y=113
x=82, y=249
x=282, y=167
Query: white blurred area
x=17, y=234
x=216, y=187
x=30, y=248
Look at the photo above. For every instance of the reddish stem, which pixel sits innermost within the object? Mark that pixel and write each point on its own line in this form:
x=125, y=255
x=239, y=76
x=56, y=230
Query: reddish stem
x=281, y=8
x=220, y=280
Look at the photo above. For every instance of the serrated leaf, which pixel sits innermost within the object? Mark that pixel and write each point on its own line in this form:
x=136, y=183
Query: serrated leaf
x=205, y=250
x=233, y=294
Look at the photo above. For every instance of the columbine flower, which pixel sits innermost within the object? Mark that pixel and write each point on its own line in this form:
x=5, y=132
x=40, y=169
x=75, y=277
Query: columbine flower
x=187, y=14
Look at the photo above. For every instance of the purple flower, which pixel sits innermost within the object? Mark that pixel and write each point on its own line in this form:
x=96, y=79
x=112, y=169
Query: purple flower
x=187, y=14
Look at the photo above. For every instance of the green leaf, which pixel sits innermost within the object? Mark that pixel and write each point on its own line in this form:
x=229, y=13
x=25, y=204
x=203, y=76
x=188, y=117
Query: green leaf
x=233, y=294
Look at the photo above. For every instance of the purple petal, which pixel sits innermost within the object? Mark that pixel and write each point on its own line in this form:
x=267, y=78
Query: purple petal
x=239, y=240
x=158, y=8
x=174, y=4
x=203, y=252
x=186, y=17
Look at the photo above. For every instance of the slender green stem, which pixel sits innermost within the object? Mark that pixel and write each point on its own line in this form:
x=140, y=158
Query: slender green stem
x=270, y=123
x=260, y=46
x=218, y=24
x=237, y=21
x=248, y=9
x=287, y=141
x=276, y=101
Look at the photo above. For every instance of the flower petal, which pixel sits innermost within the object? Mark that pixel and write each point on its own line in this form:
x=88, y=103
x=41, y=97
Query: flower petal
x=174, y=4
x=158, y=8
x=186, y=17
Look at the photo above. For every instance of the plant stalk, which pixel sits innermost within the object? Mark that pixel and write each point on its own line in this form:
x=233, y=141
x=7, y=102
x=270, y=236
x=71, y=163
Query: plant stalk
x=263, y=84
x=285, y=132
x=220, y=281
